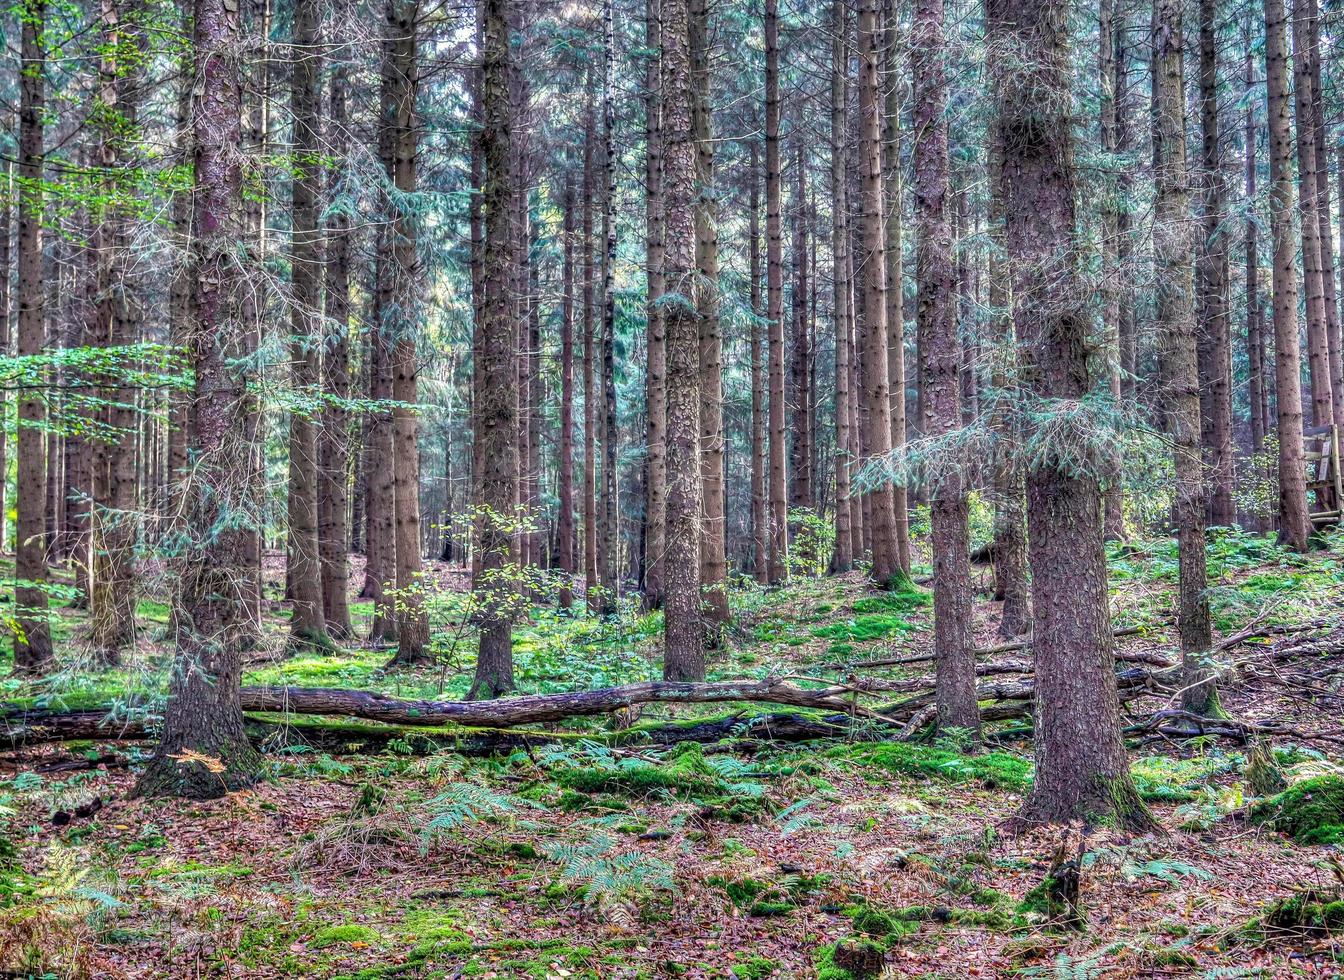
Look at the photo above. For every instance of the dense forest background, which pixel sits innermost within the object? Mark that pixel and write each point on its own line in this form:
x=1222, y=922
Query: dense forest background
x=471, y=389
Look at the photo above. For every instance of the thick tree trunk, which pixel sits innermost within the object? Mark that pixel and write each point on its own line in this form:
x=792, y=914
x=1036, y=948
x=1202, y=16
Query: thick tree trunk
x=713, y=538
x=333, y=447
x=655, y=502
x=32, y=641
x=774, y=301
x=1082, y=771
x=1215, y=340
x=683, y=640
x=307, y=624
x=496, y=410
x=1294, y=524
x=876, y=391
x=940, y=353
x=1173, y=249
x=203, y=751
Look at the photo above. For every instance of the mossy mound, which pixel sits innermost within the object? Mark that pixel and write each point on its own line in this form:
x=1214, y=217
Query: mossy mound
x=850, y=959
x=993, y=769
x=1311, y=812
x=879, y=923
x=756, y=968
x=1308, y=914
x=685, y=774
x=901, y=601
x=861, y=629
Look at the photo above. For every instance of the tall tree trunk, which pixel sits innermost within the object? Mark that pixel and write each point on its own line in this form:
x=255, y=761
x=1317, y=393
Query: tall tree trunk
x=1173, y=250
x=333, y=448
x=656, y=368
x=843, y=560
x=1294, y=524
x=308, y=626
x=400, y=84
x=6, y=340
x=203, y=751
x=800, y=462
x=609, y=555
x=1082, y=770
x=940, y=354
x=1318, y=351
x=565, y=464
x=590, y=380
x=32, y=640
x=876, y=392
x=713, y=540
x=1110, y=233
x=496, y=410
x=1215, y=341
x=1255, y=318
x=1323, y=212
x=760, y=517
x=683, y=647
x=894, y=189
x=774, y=303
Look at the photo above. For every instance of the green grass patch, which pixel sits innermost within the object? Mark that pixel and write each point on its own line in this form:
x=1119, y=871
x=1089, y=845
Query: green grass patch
x=993, y=769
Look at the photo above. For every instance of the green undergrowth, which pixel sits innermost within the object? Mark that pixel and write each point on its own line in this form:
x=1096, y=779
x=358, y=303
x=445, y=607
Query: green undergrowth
x=993, y=770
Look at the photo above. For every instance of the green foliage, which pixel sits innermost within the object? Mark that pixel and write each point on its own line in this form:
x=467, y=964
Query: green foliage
x=849, y=959
x=1311, y=812
x=756, y=968
x=343, y=935
x=862, y=629
x=462, y=803
x=993, y=769
x=603, y=874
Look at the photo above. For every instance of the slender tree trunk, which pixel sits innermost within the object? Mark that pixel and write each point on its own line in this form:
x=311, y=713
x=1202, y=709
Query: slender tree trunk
x=333, y=436
x=1082, y=770
x=1173, y=249
x=683, y=648
x=496, y=410
x=307, y=624
x=774, y=301
x=1215, y=341
x=844, y=450
x=876, y=392
x=609, y=555
x=760, y=518
x=203, y=751
x=32, y=640
x=939, y=354
x=1110, y=232
x=565, y=464
x=895, y=272
x=590, y=380
x=656, y=369
x=799, y=463
x=1294, y=524
x=1255, y=344
x=6, y=342
x=713, y=540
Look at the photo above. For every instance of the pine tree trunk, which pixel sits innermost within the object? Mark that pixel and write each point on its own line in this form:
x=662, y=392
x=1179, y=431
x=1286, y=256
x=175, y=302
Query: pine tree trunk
x=1255, y=345
x=760, y=518
x=565, y=463
x=895, y=266
x=6, y=340
x=333, y=436
x=683, y=647
x=939, y=354
x=876, y=392
x=496, y=411
x=32, y=641
x=1177, y=348
x=1294, y=524
x=307, y=624
x=656, y=368
x=590, y=380
x=1215, y=342
x=774, y=302
x=610, y=553
x=843, y=560
x=713, y=539
x=1110, y=232
x=799, y=463
x=1082, y=770
x=203, y=751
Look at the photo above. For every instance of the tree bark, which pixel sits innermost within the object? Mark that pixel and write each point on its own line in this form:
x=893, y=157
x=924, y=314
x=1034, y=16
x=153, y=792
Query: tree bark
x=683, y=638
x=203, y=751
x=774, y=301
x=893, y=187
x=843, y=560
x=32, y=641
x=876, y=392
x=496, y=410
x=760, y=517
x=308, y=628
x=1082, y=770
x=1112, y=275
x=565, y=463
x=655, y=503
x=1173, y=249
x=1294, y=524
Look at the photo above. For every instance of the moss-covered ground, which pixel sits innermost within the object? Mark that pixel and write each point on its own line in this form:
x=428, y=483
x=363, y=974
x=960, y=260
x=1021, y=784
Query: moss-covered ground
x=605, y=857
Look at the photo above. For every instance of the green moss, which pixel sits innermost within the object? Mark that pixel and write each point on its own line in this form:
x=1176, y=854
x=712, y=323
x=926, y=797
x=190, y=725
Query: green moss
x=861, y=629
x=897, y=601
x=1310, y=912
x=1311, y=812
x=993, y=769
x=742, y=892
x=766, y=909
x=876, y=922
x=343, y=935
x=684, y=775
x=756, y=968
x=849, y=959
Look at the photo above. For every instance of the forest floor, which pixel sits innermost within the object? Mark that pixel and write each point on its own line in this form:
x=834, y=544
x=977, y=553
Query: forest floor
x=589, y=859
